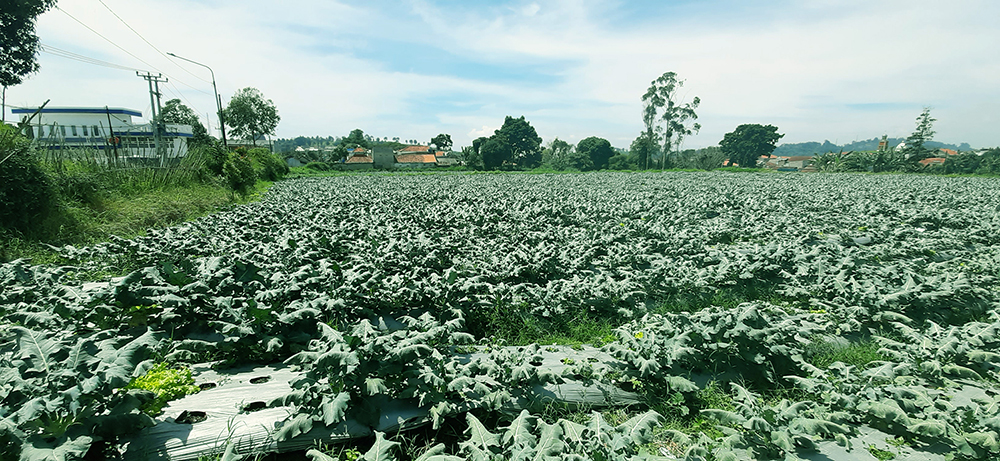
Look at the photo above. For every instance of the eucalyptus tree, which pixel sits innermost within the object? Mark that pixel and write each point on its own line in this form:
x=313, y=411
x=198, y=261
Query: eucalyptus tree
x=663, y=105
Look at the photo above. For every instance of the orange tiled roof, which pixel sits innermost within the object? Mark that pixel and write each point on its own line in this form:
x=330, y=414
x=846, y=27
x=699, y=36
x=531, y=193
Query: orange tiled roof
x=948, y=151
x=932, y=161
x=359, y=158
x=416, y=158
x=440, y=153
x=411, y=149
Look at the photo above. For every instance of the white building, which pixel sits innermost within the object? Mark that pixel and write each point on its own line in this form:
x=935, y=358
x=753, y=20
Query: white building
x=104, y=128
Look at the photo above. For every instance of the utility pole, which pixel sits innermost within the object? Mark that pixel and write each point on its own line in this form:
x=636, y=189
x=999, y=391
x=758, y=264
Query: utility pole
x=218, y=100
x=155, y=109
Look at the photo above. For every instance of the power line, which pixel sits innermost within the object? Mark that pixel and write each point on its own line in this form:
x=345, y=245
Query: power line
x=79, y=57
x=148, y=43
x=97, y=62
x=123, y=49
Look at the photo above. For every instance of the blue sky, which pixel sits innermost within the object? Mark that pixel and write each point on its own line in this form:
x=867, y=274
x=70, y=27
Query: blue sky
x=818, y=69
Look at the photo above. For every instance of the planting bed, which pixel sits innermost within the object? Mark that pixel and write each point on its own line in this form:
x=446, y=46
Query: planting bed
x=840, y=315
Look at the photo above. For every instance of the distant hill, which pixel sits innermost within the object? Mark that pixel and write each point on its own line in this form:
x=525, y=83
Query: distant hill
x=811, y=148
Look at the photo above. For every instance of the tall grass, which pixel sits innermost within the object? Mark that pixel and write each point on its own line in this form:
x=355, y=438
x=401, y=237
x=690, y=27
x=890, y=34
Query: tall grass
x=91, y=194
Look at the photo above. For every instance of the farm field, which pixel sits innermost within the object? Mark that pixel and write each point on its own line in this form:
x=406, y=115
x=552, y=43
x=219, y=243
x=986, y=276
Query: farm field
x=753, y=316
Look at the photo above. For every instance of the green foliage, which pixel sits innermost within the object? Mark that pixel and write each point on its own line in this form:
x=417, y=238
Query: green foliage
x=748, y=143
x=666, y=117
x=211, y=156
x=267, y=166
x=250, y=115
x=239, y=173
x=27, y=194
x=356, y=138
x=515, y=144
x=165, y=383
x=174, y=111
x=597, y=150
x=20, y=43
x=880, y=454
x=859, y=354
x=372, y=282
x=318, y=166
x=442, y=141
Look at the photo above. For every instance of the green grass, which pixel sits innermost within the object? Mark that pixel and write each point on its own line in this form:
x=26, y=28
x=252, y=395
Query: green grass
x=823, y=354
x=126, y=215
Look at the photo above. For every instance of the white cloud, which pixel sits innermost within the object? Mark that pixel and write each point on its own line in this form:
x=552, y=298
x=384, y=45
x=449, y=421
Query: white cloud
x=806, y=67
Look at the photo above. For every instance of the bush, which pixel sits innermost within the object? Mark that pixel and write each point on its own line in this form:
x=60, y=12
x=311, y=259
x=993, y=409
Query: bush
x=211, y=157
x=239, y=173
x=267, y=165
x=27, y=194
x=318, y=166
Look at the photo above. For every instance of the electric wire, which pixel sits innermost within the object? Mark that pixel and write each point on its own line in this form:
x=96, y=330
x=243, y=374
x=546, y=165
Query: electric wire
x=126, y=51
x=88, y=60
x=148, y=43
x=79, y=57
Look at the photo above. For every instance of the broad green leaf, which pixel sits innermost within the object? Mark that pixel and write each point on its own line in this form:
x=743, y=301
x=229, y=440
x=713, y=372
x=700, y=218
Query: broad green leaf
x=519, y=430
x=723, y=416
x=639, y=428
x=380, y=450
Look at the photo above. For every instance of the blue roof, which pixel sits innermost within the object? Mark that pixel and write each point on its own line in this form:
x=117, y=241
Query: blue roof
x=80, y=110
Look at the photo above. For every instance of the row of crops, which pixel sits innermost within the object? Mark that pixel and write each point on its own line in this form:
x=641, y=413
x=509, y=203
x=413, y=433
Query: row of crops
x=745, y=282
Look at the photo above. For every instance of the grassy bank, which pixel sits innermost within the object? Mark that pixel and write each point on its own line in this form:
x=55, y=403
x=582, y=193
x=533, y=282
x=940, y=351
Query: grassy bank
x=72, y=197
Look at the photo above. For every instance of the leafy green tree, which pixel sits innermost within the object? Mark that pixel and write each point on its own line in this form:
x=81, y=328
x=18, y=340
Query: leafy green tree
x=18, y=41
x=442, y=141
x=494, y=153
x=644, y=147
x=174, y=111
x=521, y=144
x=708, y=158
x=561, y=155
x=598, y=150
x=749, y=142
x=355, y=139
x=472, y=158
x=622, y=162
x=250, y=115
x=914, y=151
x=662, y=104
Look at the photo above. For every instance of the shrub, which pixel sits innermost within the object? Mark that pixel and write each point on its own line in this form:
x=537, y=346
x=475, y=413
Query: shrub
x=318, y=166
x=27, y=194
x=239, y=173
x=211, y=157
x=267, y=165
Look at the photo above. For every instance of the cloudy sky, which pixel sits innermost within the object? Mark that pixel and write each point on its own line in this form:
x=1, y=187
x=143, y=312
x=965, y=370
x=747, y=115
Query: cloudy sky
x=838, y=70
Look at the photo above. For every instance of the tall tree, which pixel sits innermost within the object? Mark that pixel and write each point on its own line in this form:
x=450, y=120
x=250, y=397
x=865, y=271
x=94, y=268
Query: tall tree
x=643, y=148
x=914, y=150
x=522, y=142
x=674, y=115
x=18, y=41
x=561, y=155
x=597, y=149
x=749, y=142
x=174, y=111
x=442, y=141
x=250, y=115
x=494, y=152
x=357, y=138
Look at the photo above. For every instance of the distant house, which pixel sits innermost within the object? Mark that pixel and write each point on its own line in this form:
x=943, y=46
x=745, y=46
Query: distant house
x=415, y=160
x=933, y=161
x=792, y=163
x=359, y=161
x=414, y=150
x=948, y=152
